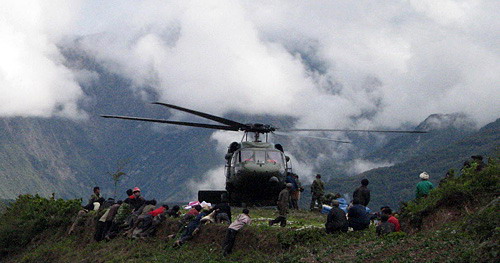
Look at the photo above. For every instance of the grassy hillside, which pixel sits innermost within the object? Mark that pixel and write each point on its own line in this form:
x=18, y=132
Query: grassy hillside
x=465, y=230
x=259, y=244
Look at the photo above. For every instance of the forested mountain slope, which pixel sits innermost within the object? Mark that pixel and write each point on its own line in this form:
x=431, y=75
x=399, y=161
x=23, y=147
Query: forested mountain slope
x=394, y=184
x=444, y=129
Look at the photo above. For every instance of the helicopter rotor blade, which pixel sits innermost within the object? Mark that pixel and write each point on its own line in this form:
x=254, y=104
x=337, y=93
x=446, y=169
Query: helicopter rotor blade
x=205, y=115
x=182, y=123
x=347, y=130
x=307, y=136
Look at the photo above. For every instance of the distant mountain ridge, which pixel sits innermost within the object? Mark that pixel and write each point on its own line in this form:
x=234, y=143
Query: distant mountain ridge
x=391, y=185
x=443, y=129
x=446, y=121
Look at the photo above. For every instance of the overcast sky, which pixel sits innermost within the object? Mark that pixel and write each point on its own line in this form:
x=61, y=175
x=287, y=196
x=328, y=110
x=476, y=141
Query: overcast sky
x=384, y=63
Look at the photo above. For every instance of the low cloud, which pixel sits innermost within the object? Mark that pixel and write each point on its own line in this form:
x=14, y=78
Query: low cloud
x=214, y=179
x=358, y=166
x=33, y=78
x=325, y=63
x=304, y=170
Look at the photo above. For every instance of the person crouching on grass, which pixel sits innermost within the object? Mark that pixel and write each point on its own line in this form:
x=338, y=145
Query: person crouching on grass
x=233, y=229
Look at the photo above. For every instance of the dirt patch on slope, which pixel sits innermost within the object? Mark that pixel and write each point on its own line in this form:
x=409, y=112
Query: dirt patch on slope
x=214, y=235
x=440, y=217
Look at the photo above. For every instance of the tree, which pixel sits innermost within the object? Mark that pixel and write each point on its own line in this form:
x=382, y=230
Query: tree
x=118, y=174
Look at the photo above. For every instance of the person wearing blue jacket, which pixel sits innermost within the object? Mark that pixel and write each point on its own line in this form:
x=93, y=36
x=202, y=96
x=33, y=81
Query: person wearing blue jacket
x=290, y=178
x=358, y=218
x=191, y=229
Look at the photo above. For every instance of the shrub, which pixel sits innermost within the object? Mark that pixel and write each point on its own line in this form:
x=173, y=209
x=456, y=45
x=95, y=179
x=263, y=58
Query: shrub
x=484, y=224
x=30, y=215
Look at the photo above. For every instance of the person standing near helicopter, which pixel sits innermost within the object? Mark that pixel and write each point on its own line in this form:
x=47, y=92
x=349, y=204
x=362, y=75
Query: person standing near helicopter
x=290, y=178
x=283, y=202
x=295, y=195
x=317, y=192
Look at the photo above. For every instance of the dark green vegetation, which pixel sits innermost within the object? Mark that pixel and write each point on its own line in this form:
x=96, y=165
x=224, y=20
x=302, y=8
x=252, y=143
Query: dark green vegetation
x=4, y=203
x=394, y=184
x=458, y=222
x=31, y=215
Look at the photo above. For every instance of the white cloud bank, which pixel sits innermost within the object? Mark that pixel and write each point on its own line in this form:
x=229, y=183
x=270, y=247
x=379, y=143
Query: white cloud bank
x=33, y=78
x=327, y=63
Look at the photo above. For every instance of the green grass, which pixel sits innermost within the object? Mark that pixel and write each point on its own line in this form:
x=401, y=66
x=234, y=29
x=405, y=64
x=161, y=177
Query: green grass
x=261, y=243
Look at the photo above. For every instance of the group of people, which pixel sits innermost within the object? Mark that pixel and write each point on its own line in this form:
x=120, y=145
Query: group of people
x=198, y=216
x=359, y=216
x=136, y=217
x=342, y=216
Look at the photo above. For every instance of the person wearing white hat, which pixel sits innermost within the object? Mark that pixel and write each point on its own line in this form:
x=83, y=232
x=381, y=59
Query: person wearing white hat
x=424, y=186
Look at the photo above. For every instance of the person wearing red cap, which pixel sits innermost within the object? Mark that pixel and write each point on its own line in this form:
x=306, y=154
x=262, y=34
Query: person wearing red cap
x=138, y=200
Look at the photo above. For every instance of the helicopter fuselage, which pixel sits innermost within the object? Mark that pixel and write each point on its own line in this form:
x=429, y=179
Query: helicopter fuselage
x=255, y=172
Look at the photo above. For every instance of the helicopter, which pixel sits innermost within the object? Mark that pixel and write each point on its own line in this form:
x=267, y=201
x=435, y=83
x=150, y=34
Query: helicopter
x=255, y=169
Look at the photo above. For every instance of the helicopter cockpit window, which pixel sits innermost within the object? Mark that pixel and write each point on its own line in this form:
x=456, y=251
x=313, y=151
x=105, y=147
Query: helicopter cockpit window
x=247, y=156
x=260, y=156
x=274, y=157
